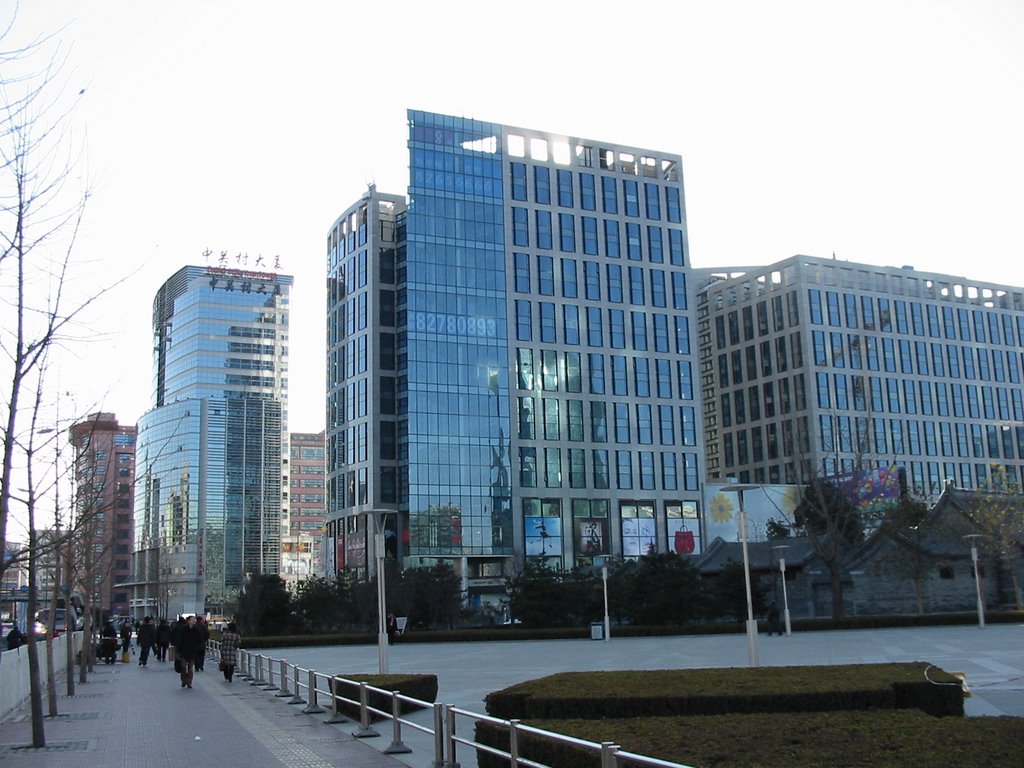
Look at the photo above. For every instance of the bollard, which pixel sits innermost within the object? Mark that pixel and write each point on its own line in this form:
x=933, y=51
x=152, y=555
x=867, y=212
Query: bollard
x=513, y=743
x=396, y=747
x=312, y=708
x=296, y=699
x=438, y=735
x=258, y=678
x=608, y=754
x=245, y=665
x=270, y=676
x=336, y=716
x=284, y=681
x=365, y=731
x=449, y=732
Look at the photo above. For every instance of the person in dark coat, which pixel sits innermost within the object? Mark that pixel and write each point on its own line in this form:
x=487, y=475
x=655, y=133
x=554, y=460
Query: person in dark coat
x=186, y=647
x=108, y=642
x=176, y=632
x=229, y=642
x=126, y=635
x=163, y=639
x=15, y=639
x=204, y=633
x=147, y=639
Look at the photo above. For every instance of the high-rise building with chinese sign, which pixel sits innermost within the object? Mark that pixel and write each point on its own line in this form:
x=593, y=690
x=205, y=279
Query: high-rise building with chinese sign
x=510, y=367
x=210, y=453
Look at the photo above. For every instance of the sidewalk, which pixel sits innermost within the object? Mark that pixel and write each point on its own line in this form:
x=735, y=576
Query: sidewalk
x=132, y=715
x=127, y=714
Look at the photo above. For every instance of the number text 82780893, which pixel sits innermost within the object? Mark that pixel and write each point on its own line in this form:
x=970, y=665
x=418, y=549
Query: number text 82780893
x=459, y=325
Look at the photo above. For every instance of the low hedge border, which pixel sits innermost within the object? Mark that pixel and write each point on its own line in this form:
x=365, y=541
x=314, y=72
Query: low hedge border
x=896, y=738
x=657, y=693
x=422, y=687
x=518, y=632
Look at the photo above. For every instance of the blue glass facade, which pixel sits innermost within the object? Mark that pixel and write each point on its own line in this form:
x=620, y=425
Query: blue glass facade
x=454, y=406
x=533, y=290
x=209, y=454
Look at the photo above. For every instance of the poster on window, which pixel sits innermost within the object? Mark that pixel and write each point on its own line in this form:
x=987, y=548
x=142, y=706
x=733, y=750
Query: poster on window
x=683, y=536
x=543, y=536
x=592, y=537
x=638, y=537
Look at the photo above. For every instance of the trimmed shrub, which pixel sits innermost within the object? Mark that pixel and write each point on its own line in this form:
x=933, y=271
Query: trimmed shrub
x=422, y=687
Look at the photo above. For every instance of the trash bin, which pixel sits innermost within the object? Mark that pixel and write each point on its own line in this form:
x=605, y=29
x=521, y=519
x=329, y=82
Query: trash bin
x=596, y=630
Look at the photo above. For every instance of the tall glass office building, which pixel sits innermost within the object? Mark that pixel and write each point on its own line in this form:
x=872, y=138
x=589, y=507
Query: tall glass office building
x=819, y=367
x=510, y=366
x=208, y=482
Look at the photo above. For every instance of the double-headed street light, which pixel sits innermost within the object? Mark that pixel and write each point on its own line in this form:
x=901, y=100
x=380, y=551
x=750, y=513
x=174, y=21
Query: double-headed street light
x=738, y=489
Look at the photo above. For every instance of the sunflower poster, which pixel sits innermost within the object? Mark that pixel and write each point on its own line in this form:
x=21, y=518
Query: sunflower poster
x=763, y=503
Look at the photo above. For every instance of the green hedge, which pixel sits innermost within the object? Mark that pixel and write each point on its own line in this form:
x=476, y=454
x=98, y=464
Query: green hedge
x=423, y=687
x=657, y=693
x=886, y=739
x=517, y=632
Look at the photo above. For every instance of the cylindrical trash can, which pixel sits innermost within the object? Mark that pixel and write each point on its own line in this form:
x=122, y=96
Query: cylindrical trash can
x=596, y=630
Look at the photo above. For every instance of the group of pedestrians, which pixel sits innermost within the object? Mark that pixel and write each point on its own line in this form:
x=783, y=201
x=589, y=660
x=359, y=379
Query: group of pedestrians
x=190, y=636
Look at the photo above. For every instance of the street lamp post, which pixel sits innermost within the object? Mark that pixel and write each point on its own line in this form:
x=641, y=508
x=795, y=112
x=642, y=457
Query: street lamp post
x=738, y=489
x=377, y=516
x=785, y=597
x=607, y=621
x=977, y=576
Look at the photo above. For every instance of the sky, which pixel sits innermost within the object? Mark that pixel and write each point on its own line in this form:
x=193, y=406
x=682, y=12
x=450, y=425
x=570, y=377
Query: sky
x=884, y=132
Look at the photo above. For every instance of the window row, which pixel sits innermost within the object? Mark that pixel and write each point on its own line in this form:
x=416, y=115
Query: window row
x=768, y=443
x=912, y=437
x=729, y=325
x=916, y=357
x=553, y=324
x=599, y=469
x=589, y=531
x=765, y=401
x=637, y=285
x=575, y=420
x=597, y=237
x=758, y=361
x=569, y=188
x=551, y=370
x=929, y=398
x=850, y=310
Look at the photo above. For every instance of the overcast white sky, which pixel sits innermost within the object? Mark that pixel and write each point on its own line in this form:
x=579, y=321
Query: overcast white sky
x=887, y=132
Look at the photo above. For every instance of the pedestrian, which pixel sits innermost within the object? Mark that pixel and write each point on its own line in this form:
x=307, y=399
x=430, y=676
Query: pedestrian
x=392, y=628
x=146, y=639
x=204, y=634
x=186, y=648
x=126, y=637
x=229, y=642
x=163, y=639
x=15, y=639
x=175, y=634
x=773, y=620
x=108, y=642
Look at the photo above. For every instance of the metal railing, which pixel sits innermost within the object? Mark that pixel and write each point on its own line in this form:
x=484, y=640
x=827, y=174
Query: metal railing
x=309, y=687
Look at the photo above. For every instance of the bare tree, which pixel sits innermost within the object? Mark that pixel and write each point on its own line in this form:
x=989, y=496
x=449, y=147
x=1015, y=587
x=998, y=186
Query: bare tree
x=41, y=211
x=997, y=513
